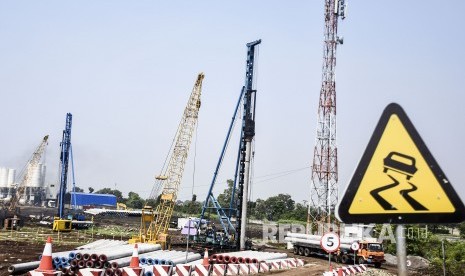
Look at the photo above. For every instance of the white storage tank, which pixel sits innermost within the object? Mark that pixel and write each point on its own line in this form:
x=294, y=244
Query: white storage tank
x=42, y=175
x=3, y=177
x=11, y=177
x=35, y=176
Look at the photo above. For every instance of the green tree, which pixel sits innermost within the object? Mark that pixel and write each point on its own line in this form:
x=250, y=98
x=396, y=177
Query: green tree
x=275, y=207
x=259, y=211
x=225, y=198
x=78, y=190
x=134, y=201
x=152, y=202
x=299, y=213
x=461, y=228
x=117, y=193
x=91, y=190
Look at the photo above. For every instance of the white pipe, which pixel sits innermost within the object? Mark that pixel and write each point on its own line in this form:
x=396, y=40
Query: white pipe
x=318, y=237
x=313, y=242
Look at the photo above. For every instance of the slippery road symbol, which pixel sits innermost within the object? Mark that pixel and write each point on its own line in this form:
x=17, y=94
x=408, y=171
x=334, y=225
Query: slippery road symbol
x=403, y=164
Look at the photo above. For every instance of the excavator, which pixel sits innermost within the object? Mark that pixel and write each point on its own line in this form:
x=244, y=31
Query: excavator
x=11, y=209
x=154, y=223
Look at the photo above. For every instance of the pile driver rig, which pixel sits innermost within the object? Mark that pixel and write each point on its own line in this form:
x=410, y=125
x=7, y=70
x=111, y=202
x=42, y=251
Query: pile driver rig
x=60, y=223
x=154, y=224
x=232, y=236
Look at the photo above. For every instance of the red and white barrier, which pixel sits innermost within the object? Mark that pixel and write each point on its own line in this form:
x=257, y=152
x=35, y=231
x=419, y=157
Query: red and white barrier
x=160, y=270
x=274, y=265
x=263, y=267
x=218, y=270
x=291, y=263
x=183, y=270
x=202, y=270
x=232, y=269
x=91, y=272
x=37, y=273
x=253, y=268
x=243, y=269
x=132, y=271
x=347, y=270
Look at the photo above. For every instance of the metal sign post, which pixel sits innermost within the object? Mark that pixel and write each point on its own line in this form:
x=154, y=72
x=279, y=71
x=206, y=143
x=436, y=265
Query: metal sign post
x=330, y=242
x=188, y=230
x=187, y=237
x=401, y=250
x=355, y=247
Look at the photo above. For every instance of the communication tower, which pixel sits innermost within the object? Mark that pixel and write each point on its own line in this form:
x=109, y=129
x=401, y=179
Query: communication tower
x=324, y=180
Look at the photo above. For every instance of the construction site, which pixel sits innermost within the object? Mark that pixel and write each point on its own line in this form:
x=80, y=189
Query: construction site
x=410, y=225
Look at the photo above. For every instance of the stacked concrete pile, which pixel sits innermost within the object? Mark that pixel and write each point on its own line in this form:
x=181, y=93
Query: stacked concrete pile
x=62, y=259
x=99, y=254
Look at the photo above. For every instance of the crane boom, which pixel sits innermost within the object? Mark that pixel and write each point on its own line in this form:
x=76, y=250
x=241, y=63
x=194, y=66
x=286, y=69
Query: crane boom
x=33, y=162
x=171, y=177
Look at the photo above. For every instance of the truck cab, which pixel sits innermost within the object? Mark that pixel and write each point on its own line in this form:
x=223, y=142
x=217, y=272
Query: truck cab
x=371, y=253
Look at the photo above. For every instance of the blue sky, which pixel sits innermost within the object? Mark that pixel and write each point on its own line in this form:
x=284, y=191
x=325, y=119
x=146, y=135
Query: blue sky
x=125, y=69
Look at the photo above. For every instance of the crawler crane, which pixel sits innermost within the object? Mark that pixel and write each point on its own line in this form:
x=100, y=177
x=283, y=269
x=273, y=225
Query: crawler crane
x=154, y=224
x=12, y=206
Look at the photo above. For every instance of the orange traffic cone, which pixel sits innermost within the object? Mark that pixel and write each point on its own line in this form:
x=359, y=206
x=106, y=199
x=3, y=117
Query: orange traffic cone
x=134, y=268
x=206, y=260
x=135, y=257
x=46, y=263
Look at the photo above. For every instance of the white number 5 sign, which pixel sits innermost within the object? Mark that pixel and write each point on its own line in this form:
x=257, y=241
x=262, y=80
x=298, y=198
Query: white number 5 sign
x=330, y=242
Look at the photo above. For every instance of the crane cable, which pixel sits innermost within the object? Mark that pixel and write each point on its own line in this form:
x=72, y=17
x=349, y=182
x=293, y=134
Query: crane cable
x=158, y=183
x=195, y=157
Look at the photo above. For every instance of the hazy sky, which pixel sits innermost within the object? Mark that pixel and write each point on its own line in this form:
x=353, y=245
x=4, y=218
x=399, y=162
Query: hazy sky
x=125, y=70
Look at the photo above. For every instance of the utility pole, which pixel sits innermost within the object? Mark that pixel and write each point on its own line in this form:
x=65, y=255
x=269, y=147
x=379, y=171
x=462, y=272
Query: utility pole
x=324, y=180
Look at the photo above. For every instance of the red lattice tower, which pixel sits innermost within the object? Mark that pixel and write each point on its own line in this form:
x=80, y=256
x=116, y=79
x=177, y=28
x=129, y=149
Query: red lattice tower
x=324, y=183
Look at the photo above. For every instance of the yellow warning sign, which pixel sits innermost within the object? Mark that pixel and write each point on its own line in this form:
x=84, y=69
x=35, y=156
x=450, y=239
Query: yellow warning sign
x=398, y=180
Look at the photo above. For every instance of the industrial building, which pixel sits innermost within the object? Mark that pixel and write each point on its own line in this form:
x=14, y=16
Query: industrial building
x=35, y=192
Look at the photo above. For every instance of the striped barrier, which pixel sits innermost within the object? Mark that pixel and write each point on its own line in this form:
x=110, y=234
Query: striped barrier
x=291, y=263
x=160, y=270
x=243, y=269
x=218, y=270
x=37, y=273
x=202, y=270
x=253, y=268
x=232, y=269
x=132, y=271
x=183, y=270
x=346, y=271
x=91, y=272
x=274, y=265
x=263, y=267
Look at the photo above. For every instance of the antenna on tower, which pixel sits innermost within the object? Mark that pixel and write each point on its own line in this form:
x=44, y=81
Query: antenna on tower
x=324, y=180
